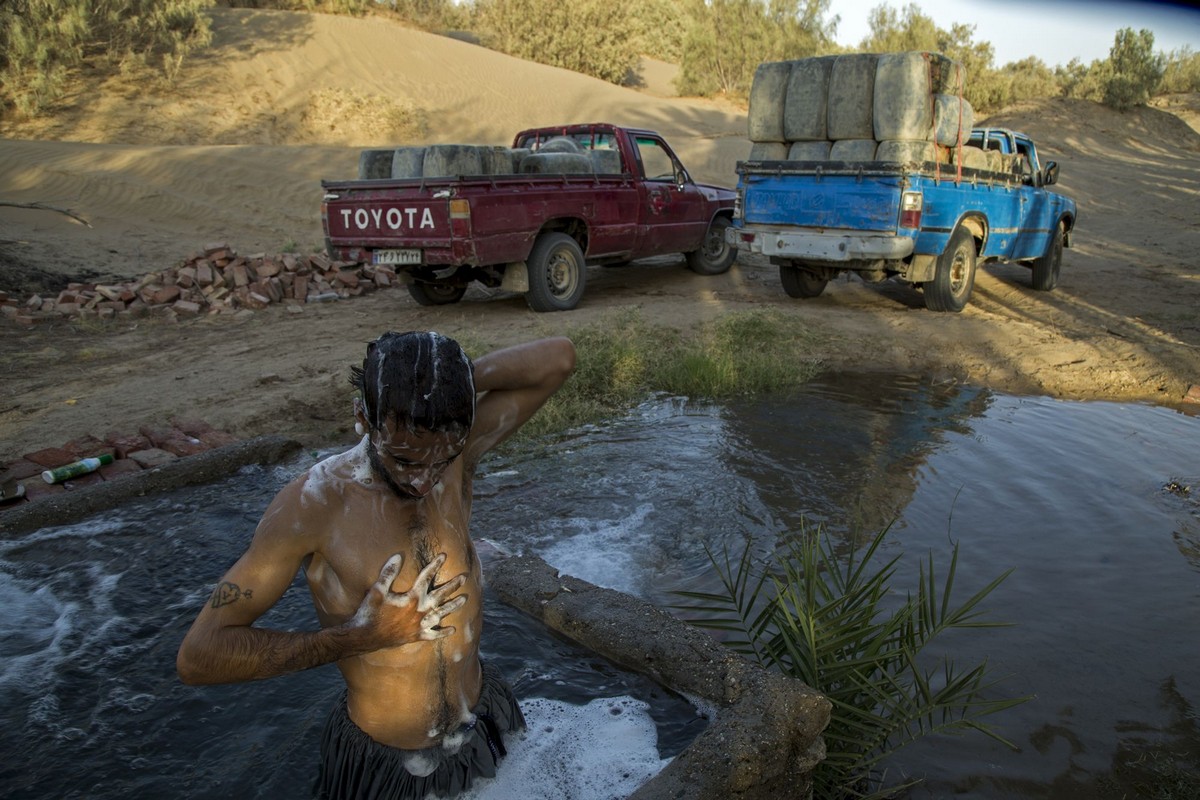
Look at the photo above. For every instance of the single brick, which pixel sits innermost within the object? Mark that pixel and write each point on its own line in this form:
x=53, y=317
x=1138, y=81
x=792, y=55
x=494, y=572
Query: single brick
x=153, y=457
x=190, y=427
x=157, y=434
x=89, y=446
x=119, y=468
x=126, y=443
x=184, y=446
x=167, y=294
x=51, y=457
x=19, y=470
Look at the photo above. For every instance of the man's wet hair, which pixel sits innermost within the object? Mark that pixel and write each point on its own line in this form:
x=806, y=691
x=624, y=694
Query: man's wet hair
x=421, y=378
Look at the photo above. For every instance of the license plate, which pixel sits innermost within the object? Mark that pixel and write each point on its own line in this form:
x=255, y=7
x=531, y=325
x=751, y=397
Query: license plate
x=396, y=257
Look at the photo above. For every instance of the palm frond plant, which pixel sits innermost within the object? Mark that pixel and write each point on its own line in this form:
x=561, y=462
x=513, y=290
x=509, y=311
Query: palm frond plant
x=834, y=623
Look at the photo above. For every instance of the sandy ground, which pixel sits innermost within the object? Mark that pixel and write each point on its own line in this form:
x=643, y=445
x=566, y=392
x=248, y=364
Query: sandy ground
x=235, y=149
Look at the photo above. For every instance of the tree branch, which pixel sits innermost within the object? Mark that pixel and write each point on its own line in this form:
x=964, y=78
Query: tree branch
x=44, y=207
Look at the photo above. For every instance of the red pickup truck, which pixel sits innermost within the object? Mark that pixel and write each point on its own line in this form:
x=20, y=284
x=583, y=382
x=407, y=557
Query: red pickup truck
x=529, y=218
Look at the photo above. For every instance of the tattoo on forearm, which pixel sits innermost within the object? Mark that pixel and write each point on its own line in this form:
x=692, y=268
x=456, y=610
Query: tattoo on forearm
x=227, y=593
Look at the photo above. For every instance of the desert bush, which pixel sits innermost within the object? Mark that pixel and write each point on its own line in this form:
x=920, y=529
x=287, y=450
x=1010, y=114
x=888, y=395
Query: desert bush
x=893, y=32
x=350, y=7
x=42, y=41
x=1136, y=69
x=726, y=40
x=594, y=37
x=659, y=27
x=1181, y=71
x=1031, y=78
x=832, y=621
x=431, y=15
x=1083, y=81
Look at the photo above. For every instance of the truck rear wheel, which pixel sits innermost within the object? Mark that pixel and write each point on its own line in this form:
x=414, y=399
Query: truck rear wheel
x=954, y=278
x=557, y=274
x=1047, y=268
x=801, y=283
x=715, y=255
x=436, y=294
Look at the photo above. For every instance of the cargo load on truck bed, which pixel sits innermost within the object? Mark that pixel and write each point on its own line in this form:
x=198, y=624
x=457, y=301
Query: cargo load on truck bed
x=871, y=163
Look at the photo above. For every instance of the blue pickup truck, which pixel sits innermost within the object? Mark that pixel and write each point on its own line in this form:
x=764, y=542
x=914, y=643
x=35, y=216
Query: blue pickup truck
x=927, y=222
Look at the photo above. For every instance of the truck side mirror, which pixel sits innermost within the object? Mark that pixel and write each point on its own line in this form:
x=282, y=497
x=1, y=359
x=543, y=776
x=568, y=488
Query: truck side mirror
x=1050, y=173
x=681, y=177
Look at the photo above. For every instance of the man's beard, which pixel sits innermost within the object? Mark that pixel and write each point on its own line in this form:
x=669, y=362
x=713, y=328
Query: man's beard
x=377, y=468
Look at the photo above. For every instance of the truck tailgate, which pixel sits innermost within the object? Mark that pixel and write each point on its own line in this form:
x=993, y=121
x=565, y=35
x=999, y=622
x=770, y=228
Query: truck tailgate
x=366, y=220
x=814, y=200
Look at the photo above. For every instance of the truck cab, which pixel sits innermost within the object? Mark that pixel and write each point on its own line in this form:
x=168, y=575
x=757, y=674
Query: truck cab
x=1012, y=143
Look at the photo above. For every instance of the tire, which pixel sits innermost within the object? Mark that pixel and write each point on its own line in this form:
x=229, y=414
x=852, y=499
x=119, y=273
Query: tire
x=1047, y=268
x=801, y=283
x=950, y=289
x=557, y=274
x=436, y=294
x=715, y=255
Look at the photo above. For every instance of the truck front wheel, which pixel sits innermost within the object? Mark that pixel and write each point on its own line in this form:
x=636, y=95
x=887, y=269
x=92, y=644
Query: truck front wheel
x=801, y=283
x=715, y=255
x=436, y=294
x=954, y=277
x=1047, y=268
x=557, y=273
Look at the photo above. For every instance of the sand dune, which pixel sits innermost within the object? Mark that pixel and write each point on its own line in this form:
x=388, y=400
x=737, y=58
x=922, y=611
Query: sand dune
x=237, y=148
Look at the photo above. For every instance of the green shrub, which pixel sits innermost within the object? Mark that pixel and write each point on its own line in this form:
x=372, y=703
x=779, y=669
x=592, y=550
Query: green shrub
x=833, y=622
x=350, y=7
x=726, y=40
x=42, y=41
x=1136, y=69
x=594, y=37
x=1181, y=72
x=659, y=27
x=1085, y=82
x=432, y=15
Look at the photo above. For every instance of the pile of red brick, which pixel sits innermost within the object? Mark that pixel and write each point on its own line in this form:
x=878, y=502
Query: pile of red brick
x=214, y=281
x=131, y=452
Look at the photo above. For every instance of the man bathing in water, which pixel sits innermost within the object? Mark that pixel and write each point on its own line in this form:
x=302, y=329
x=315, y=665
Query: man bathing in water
x=381, y=532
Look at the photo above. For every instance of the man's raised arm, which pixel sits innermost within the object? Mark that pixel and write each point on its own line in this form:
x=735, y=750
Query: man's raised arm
x=513, y=384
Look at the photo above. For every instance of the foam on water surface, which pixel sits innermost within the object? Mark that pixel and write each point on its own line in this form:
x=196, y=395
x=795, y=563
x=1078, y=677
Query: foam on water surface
x=605, y=749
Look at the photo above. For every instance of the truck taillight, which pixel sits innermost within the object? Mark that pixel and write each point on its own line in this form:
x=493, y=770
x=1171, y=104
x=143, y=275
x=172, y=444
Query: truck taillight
x=911, y=205
x=460, y=217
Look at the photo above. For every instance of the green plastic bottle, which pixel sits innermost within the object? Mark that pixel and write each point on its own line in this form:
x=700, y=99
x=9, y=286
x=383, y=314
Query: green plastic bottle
x=73, y=470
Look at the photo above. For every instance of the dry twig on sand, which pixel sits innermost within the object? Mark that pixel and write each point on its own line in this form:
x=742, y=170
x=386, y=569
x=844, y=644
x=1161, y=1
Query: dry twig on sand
x=43, y=207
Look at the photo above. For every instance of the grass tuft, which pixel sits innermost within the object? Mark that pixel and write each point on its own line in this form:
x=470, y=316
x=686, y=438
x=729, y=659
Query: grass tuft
x=623, y=360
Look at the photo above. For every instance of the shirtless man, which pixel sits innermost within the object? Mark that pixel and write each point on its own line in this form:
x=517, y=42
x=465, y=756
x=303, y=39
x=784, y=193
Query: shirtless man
x=381, y=534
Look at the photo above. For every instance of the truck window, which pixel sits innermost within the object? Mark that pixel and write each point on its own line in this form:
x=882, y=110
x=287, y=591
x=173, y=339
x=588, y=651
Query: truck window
x=1025, y=161
x=657, y=163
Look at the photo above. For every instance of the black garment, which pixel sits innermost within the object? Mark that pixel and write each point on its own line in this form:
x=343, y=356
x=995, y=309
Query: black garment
x=356, y=767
